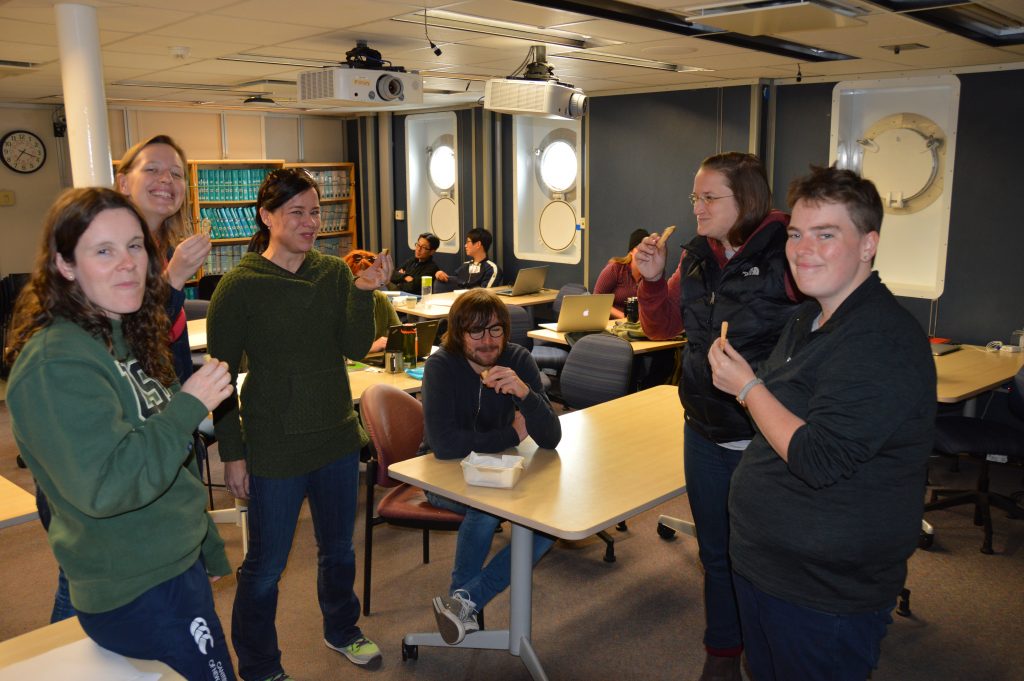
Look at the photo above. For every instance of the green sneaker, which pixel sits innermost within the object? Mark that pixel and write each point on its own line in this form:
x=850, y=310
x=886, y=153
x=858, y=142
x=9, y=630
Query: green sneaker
x=361, y=651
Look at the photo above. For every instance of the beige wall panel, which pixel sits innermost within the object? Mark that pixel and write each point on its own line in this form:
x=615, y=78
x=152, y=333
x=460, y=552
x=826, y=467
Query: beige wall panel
x=245, y=136
x=323, y=140
x=282, y=137
x=116, y=130
x=21, y=224
x=197, y=133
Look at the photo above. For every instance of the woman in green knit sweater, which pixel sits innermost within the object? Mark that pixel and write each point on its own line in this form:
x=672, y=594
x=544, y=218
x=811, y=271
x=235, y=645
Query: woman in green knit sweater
x=98, y=417
x=295, y=314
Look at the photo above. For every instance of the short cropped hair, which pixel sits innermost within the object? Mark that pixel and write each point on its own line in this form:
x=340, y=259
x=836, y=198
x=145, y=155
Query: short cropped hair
x=481, y=235
x=845, y=187
x=431, y=239
x=471, y=311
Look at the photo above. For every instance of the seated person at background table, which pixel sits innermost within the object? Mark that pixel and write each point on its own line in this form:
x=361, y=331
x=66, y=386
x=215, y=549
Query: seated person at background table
x=825, y=505
x=478, y=271
x=621, y=277
x=407, y=277
x=384, y=314
x=100, y=420
x=480, y=394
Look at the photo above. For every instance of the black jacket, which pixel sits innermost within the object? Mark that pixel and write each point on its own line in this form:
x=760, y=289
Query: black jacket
x=832, y=529
x=412, y=268
x=750, y=293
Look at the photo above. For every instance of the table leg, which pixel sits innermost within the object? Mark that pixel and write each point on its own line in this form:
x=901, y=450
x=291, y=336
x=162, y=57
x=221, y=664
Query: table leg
x=971, y=407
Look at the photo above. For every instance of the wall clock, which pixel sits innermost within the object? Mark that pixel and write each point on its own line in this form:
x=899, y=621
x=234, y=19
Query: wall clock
x=22, y=151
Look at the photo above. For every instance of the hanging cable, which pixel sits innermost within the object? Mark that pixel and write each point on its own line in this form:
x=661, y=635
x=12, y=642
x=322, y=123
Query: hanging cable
x=435, y=48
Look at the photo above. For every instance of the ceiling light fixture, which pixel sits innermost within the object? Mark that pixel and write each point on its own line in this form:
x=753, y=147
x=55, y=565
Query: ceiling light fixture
x=282, y=61
x=231, y=90
x=624, y=60
x=507, y=29
x=258, y=100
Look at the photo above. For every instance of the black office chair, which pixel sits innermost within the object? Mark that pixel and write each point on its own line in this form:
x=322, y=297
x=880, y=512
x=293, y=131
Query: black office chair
x=980, y=438
x=599, y=368
x=551, y=358
x=522, y=322
x=206, y=285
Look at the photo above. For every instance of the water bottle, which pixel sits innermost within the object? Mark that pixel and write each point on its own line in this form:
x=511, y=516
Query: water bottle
x=409, y=349
x=426, y=288
x=632, y=310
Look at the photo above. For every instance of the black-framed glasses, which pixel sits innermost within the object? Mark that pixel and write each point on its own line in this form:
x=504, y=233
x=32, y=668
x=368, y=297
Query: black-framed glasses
x=494, y=331
x=424, y=247
x=359, y=257
x=707, y=199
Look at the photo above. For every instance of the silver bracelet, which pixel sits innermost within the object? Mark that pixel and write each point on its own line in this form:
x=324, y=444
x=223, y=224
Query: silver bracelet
x=742, y=396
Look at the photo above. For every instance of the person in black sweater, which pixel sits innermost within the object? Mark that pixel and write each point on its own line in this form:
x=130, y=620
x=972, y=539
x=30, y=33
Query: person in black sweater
x=481, y=394
x=407, y=277
x=826, y=504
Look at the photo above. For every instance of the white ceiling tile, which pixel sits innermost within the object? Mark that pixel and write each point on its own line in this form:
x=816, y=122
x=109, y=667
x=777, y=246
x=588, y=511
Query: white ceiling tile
x=313, y=12
x=516, y=12
x=137, y=19
x=13, y=51
x=212, y=27
x=161, y=45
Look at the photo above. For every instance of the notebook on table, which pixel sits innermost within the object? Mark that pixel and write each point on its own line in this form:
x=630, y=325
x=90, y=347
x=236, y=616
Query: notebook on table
x=939, y=349
x=589, y=312
x=529, y=280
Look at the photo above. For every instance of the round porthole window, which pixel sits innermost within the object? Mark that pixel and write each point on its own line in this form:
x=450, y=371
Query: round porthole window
x=442, y=167
x=558, y=164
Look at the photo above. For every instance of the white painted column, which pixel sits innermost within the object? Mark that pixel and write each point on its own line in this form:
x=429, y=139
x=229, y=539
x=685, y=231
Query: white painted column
x=85, y=103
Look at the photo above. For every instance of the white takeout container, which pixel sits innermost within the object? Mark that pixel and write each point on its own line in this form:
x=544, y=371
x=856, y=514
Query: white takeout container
x=485, y=470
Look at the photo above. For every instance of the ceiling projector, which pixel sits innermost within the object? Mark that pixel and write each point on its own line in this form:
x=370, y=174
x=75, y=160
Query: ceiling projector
x=534, y=98
x=364, y=79
x=344, y=86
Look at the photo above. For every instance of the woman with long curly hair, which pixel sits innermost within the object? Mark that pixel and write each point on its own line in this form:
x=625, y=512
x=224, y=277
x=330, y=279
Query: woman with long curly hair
x=384, y=315
x=101, y=422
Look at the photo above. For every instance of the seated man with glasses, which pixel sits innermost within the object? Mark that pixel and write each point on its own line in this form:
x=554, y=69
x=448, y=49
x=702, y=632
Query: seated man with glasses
x=407, y=276
x=480, y=394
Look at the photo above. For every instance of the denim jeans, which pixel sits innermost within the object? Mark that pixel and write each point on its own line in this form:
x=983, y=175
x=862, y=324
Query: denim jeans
x=789, y=642
x=62, y=608
x=471, y=548
x=709, y=468
x=274, y=505
x=174, y=622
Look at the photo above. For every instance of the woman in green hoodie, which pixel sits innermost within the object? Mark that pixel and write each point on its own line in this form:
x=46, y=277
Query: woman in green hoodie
x=294, y=314
x=100, y=421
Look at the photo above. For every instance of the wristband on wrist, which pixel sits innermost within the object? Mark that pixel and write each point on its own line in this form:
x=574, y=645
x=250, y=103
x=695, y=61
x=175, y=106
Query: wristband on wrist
x=742, y=396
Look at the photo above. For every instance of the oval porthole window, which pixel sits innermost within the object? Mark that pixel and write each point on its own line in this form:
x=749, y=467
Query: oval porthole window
x=558, y=166
x=442, y=167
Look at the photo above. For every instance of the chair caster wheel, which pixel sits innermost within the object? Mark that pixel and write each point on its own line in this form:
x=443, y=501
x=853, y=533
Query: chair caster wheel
x=410, y=652
x=925, y=541
x=665, y=532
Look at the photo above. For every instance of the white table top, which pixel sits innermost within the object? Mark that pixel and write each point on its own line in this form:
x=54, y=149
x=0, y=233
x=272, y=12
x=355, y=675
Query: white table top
x=639, y=346
x=972, y=370
x=16, y=505
x=440, y=304
x=615, y=460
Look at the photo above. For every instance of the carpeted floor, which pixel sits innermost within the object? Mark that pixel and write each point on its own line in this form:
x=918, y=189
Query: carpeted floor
x=638, y=618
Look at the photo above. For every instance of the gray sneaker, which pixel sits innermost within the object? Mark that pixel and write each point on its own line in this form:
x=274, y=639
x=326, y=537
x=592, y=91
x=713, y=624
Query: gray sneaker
x=456, y=616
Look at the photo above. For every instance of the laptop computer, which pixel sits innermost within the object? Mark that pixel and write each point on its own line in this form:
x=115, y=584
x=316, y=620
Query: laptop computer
x=529, y=280
x=939, y=349
x=583, y=313
x=426, y=334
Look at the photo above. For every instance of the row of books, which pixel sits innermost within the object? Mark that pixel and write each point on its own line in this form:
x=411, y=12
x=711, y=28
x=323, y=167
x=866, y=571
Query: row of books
x=229, y=222
x=334, y=217
x=334, y=184
x=223, y=258
x=335, y=245
x=237, y=184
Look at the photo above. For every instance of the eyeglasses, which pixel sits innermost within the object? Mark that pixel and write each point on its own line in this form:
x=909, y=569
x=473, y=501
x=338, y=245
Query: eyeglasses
x=359, y=257
x=424, y=247
x=707, y=199
x=495, y=331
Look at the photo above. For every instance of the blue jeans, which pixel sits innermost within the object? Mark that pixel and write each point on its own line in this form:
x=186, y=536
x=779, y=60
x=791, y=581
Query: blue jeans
x=789, y=642
x=62, y=608
x=709, y=468
x=471, y=548
x=174, y=622
x=274, y=505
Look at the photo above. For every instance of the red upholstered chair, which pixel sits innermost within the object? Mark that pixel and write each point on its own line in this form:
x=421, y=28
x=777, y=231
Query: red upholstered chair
x=394, y=421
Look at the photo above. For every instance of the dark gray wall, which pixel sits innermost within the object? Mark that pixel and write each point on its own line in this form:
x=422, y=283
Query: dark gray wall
x=982, y=300
x=644, y=151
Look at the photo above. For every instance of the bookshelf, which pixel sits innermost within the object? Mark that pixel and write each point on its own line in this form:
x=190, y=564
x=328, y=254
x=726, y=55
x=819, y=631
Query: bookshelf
x=223, y=198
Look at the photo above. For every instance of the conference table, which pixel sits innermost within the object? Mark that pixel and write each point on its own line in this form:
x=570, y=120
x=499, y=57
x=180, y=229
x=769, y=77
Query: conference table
x=16, y=505
x=591, y=481
x=973, y=370
x=639, y=346
x=62, y=651
x=440, y=304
